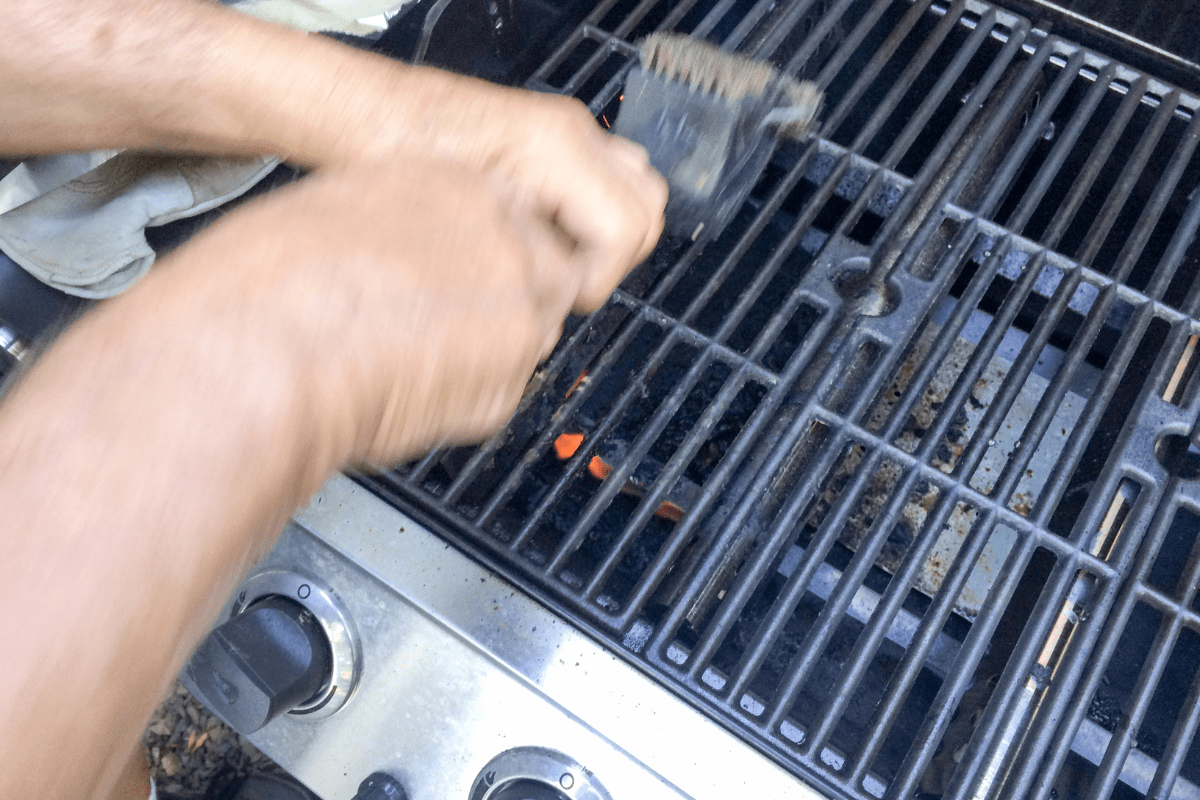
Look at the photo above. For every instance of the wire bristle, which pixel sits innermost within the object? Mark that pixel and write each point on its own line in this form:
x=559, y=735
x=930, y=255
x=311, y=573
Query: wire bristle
x=706, y=68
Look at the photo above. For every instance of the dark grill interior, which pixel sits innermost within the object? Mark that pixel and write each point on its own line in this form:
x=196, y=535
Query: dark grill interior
x=896, y=477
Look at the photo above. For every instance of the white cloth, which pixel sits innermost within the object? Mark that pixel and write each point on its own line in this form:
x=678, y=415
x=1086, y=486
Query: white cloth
x=87, y=237
x=77, y=221
x=359, y=17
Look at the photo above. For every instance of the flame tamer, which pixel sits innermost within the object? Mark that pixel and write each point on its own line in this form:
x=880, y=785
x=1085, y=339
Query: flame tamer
x=709, y=120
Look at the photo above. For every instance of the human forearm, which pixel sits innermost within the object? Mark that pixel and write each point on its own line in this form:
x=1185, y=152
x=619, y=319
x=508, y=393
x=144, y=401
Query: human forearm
x=183, y=74
x=158, y=446
x=146, y=460
x=192, y=75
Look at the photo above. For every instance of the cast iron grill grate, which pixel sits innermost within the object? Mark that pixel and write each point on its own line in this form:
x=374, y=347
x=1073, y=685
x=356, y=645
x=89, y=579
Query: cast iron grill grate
x=934, y=533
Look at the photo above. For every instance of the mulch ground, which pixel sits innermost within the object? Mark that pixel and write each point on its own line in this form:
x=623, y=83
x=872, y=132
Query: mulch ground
x=191, y=751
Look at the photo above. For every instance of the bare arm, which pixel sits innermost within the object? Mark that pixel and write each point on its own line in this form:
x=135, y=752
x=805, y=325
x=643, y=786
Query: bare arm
x=383, y=305
x=190, y=74
x=159, y=445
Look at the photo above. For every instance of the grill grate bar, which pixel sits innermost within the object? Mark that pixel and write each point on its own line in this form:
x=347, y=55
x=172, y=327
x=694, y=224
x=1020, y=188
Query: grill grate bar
x=849, y=45
x=737, y=38
x=798, y=582
x=834, y=610
x=664, y=482
x=1018, y=374
x=781, y=535
x=950, y=164
x=509, y=485
x=943, y=177
x=622, y=31
x=1065, y=681
x=1073, y=709
x=677, y=13
x=670, y=281
x=1173, y=256
x=1166, y=777
x=720, y=483
x=1070, y=699
x=1018, y=692
x=1062, y=148
x=885, y=108
x=623, y=469
x=953, y=136
x=756, y=426
x=732, y=530
x=915, y=656
x=589, y=68
x=774, y=36
x=1100, y=155
x=1122, y=741
x=971, y=371
x=1034, y=130
x=1109, y=479
x=823, y=463
x=426, y=463
x=1153, y=210
x=751, y=514
x=950, y=330
x=771, y=266
x=1168, y=606
x=1041, y=419
x=876, y=629
x=549, y=372
x=1182, y=734
x=977, y=447
x=1102, y=395
x=929, y=735
x=706, y=26
x=609, y=488
x=1134, y=166
x=870, y=73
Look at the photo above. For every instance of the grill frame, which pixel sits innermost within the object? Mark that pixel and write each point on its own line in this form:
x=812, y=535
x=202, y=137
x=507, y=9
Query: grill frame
x=1027, y=757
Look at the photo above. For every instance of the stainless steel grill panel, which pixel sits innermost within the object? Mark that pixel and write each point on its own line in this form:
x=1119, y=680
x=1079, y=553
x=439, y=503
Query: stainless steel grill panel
x=928, y=403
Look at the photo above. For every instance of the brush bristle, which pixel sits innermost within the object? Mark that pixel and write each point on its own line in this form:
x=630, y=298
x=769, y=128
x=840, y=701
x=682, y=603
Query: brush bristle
x=707, y=68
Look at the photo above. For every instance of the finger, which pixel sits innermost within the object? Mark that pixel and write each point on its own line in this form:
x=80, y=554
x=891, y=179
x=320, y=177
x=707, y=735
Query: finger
x=645, y=181
x=616, y=222
x=554, y=270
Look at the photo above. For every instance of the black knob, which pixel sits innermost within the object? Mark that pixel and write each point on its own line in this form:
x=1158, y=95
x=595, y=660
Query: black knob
x=380, y=786
x=262, y=663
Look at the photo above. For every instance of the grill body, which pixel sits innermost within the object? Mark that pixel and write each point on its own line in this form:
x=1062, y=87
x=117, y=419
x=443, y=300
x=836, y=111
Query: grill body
x=927, y=407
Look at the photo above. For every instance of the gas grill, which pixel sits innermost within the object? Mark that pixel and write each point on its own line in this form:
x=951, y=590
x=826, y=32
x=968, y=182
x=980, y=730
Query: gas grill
x=888, y=490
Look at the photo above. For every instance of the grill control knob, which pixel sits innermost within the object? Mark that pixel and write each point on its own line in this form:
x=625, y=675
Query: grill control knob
x=381, y=786
x=263, y=662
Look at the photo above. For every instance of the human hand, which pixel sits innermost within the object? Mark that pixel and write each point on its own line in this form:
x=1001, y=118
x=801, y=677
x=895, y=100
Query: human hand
x=598, y=187
x=361, y=315
x=408, y=307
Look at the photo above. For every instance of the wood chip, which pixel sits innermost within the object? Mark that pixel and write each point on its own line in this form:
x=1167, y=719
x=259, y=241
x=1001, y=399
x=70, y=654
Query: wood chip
x=196, y=742
x=170, y=764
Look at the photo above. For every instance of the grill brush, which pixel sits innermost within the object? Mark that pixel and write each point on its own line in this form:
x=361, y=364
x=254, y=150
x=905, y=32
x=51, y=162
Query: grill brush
x=709, y=120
